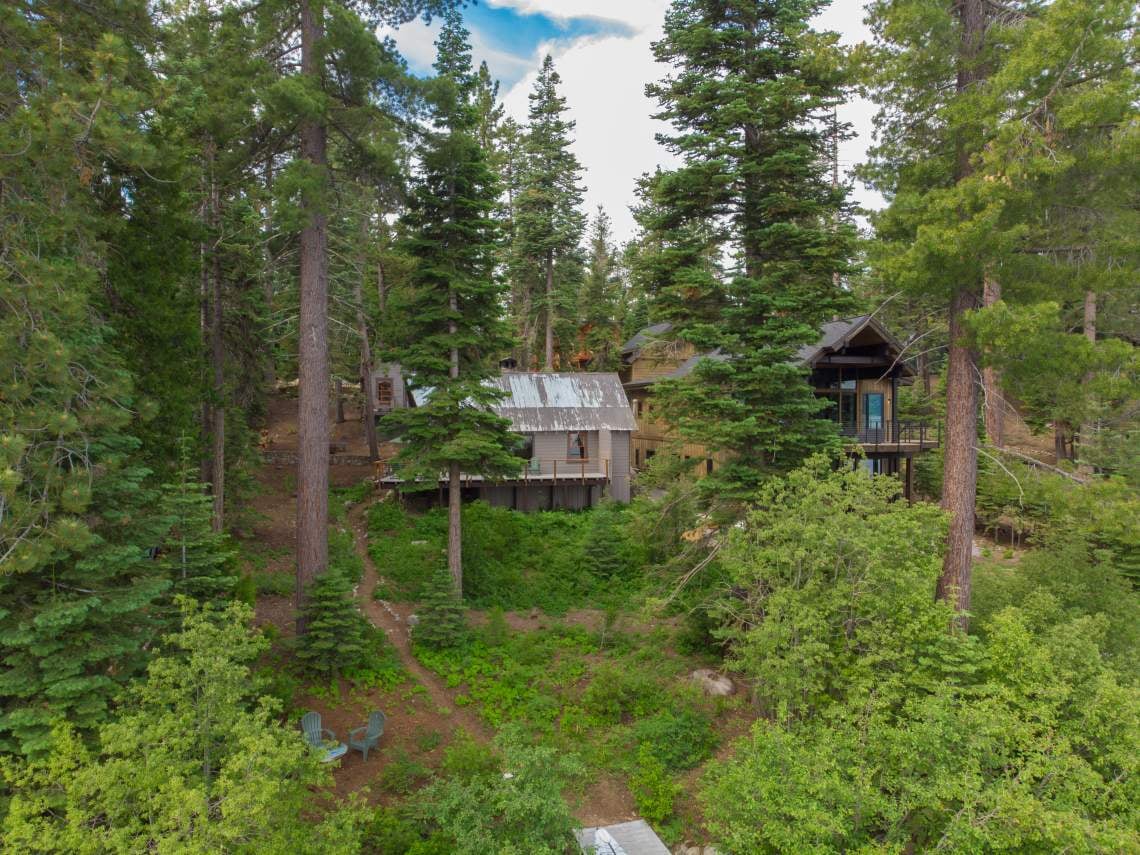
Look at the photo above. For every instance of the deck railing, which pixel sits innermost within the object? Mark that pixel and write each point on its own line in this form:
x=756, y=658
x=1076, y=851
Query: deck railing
x=917, y=432
x=543, y=470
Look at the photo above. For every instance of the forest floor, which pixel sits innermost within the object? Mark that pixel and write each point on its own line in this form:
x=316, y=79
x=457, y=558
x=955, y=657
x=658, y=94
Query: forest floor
x=423, y=716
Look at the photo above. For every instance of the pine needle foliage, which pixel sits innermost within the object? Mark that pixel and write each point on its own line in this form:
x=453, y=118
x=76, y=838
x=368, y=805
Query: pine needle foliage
x=456, y=297
x=442, y=622
x=197, y=558
x=747, y=239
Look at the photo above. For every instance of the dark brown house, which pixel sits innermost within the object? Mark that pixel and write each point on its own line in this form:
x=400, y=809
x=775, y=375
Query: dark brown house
x=856, y=364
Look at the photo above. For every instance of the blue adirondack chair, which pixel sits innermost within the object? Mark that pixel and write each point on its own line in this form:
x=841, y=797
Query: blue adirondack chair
x=315, y=736
x=363, y=738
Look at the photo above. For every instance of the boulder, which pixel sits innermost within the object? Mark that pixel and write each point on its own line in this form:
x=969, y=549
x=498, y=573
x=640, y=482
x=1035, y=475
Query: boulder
x=413, y=620
x=712, y=683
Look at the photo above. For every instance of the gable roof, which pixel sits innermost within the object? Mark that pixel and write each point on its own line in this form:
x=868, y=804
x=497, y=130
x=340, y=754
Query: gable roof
x=537, y=402
x=834, y=336
x=644, y=337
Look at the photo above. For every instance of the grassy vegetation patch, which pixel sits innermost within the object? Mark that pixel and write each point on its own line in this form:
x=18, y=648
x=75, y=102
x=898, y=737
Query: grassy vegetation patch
x=560, y=685
x=553, y=560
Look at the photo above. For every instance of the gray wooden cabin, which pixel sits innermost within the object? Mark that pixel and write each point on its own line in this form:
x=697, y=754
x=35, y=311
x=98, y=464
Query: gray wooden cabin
x=576, y=431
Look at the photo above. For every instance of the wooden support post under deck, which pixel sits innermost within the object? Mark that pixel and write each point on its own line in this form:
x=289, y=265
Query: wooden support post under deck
x=908, y=489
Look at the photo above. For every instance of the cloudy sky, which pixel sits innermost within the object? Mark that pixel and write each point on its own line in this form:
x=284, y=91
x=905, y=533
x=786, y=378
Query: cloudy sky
x=601, y=49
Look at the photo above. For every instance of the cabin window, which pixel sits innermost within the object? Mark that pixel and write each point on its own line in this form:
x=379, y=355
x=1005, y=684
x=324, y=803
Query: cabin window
x=708, y=466
x=384, y=394
x=637, y=457
x=637, y=407
x=526, y=448
x=576, y=447
x=649, y=455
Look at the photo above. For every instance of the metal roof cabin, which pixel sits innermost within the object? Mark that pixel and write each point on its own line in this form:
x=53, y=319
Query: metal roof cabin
x=576, y=430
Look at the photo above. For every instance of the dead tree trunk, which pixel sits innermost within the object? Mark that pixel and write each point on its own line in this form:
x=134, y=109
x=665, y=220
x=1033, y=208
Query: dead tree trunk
x=548, y=354
x=313, y=357
x=960, y=466
x=991, y=380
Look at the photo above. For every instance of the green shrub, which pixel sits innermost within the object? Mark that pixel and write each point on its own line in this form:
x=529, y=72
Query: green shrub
x=654, y=792
x=680, y=740
x=402, y=775
x=522, y=811
x=616, y=694
x=496, y=633
x=510, y=559
x=465, y=758
x=386, y=516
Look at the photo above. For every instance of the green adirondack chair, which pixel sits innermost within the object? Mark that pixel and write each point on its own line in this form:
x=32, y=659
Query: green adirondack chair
x=321, y=739
x=364, y=738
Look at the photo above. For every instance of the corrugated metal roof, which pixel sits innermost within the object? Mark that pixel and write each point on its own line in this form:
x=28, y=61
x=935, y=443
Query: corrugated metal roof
x=624, y=838
x=536, y=402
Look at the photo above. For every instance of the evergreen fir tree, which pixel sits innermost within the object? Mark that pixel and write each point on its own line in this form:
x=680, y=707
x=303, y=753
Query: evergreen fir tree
x=604, y=552
x=455, y=328
x=750, y=102
x=335, y=638
x=442, y=622
x=600, y=304
x=196, y=556
x=76, y=515
x=548, y=219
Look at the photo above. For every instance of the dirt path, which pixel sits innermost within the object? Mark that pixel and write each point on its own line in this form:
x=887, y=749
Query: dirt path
x=396, y=628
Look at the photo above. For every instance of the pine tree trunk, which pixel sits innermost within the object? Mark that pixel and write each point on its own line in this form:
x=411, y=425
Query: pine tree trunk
x=217, y=360
x=991, y=379
x=454, y=530
x=312, y=411
x=549, y=351
x=960, y=461
x=1088, y=429
x=454, y=496
x=267, y=281
x=338, y=386
x=960, y=467
x=367, y=386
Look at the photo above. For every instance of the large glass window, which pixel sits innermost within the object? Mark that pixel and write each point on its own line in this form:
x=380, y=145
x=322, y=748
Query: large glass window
x=873, y=411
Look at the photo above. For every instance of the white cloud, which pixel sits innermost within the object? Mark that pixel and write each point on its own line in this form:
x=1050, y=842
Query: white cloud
x=639, y=14
x=603, y=81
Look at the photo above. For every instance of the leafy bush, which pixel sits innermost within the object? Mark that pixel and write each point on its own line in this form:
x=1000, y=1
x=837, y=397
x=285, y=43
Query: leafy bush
x=654, y=792
x=615, y=695
x=402, y=775
x=510, y=559
x=520, y=811
x=1017, y=738
x=465, y=758
x=680, y=740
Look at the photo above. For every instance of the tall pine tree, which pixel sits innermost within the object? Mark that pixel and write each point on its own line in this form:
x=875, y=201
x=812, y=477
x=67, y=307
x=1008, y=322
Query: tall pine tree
x=548, y=217
x=746, y=239
x=456, y=330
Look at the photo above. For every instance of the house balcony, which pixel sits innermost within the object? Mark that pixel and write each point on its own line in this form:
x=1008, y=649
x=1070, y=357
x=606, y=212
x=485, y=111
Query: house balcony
x=534, y=472
x=895, y=437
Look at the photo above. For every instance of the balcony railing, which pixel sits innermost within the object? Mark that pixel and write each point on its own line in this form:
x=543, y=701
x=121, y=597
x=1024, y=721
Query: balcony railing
x=539, y=470
x=922, y=434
